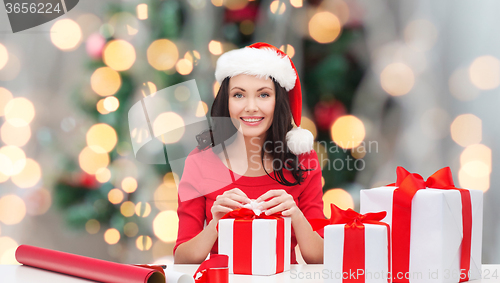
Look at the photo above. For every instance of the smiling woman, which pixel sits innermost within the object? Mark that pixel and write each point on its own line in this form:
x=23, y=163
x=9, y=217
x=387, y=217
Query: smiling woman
x=252, y=124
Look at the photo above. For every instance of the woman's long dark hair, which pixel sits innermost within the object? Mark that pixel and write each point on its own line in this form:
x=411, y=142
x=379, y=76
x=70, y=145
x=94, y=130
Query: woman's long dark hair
x=223, y=129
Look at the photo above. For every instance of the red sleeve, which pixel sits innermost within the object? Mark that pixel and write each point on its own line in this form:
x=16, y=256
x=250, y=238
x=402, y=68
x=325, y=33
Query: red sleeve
x=311, y=198
x=191, y=212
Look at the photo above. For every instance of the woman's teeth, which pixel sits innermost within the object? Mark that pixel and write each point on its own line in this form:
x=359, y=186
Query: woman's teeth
x=251, y=120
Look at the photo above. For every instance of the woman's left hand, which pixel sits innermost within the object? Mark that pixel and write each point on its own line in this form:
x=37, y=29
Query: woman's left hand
x=280, y=201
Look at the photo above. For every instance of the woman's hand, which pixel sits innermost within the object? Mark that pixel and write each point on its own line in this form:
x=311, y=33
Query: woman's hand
x=280, y=201
x=227, y=202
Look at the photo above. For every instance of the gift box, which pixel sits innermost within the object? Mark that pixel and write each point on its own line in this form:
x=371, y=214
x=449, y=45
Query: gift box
x=255, y=244
x=356, y=246
x=436, y=228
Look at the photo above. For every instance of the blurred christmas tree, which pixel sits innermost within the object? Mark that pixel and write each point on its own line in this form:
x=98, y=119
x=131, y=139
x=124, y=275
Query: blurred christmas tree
x=139, y=50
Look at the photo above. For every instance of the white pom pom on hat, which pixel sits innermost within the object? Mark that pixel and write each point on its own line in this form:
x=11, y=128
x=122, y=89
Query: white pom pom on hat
x=264, y=60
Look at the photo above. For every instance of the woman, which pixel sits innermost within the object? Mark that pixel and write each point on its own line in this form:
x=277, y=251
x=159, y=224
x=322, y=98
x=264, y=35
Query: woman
x=259, y=94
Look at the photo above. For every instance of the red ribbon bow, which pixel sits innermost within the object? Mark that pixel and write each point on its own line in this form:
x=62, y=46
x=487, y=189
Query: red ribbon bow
x=213, y=270
x=354, y=237
x=348, y=217
x=242, y=239
x=245, y=213
x=408, y=184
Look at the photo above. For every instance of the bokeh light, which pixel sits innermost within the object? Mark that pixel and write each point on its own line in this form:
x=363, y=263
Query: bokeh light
x=358, y=152
x=165, y=196
x=277, y=6
x=38, y=202
x=171, y=123
x=151, y=88
x=111, y=236
x=12, y=209
x=124, y=25
x=184, y=66
x=66, y=34
x=466, y=130
x=162, y=54
x=103, y=175
x=215, y=47
x=235, y=4
x=5, y=97
x=484, y=72
x=476, y=152
x=129, y=184
x=17, y=136
x=308, y=124
x=101, y=138
x=192, y=58
x=460, y=85
x=4, y=56
x=475, y=161
x=324, y=27
x=421, y=35
x=142, y=11
x=19, y=112
x=215, y=88
x=100, y=107
x=29, y=176
x=127, y=209
x=111, y=103
x=218, y=3
x=339, y=197
x=202, y=109
x=92, y=226
x=91, y=161
x=7, y=250
x=105, y=81
x=165, y=226
x=397, y=79
x=119, y=55
x=171, y=178
x=247, y=27
x=115, y=196
x=130, y=229
x=468, y=181
x=296, y=3
x=289, y=50
x=143, y=209
x=143, y=243
x=12, y=160
x=348, y=131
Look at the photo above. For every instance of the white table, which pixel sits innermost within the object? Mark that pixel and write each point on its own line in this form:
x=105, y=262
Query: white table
x=298, y=273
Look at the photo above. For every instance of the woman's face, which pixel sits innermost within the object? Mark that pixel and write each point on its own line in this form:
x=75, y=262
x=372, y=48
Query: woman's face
x=251, y=102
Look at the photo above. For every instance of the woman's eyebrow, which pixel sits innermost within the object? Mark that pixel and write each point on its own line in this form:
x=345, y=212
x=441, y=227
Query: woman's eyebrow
x=237, y=87
x=257, y=90
x=264, y=88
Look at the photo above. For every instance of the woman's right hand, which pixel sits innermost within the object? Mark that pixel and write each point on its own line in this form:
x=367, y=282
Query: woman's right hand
x=227, y=202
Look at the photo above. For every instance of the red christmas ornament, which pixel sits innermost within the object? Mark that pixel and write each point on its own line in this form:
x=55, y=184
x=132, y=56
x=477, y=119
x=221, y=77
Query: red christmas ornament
x=235, y=16
x=87, y=181
x=327, y=112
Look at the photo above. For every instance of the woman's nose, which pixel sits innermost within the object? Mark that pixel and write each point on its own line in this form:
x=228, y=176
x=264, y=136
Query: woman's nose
x=251, y=105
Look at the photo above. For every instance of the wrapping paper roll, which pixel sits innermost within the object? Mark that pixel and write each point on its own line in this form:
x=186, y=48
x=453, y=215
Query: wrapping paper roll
x=86, y=267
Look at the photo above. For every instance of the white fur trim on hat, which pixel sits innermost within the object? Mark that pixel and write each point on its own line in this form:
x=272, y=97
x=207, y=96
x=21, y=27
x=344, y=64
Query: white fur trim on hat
x=263, y=62
x=299, y=140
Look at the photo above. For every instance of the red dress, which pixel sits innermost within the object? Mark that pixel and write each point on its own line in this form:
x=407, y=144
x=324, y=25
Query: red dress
x=205, y=177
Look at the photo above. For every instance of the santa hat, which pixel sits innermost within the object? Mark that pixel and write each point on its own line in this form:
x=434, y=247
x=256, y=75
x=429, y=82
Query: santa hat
x=264, y=60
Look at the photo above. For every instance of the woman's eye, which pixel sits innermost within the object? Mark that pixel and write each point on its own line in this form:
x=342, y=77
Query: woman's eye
x=238, y=95
x=264, y=95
